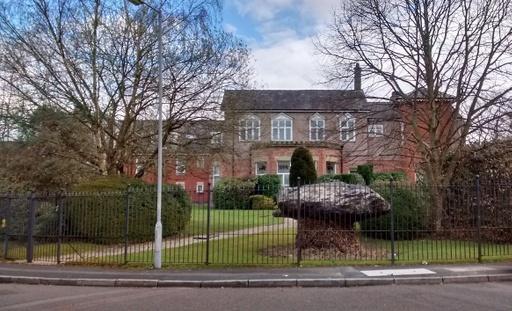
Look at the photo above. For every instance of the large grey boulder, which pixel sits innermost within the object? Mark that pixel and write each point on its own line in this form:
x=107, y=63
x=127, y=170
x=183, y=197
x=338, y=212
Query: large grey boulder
x=331, y=200
x=327, y=215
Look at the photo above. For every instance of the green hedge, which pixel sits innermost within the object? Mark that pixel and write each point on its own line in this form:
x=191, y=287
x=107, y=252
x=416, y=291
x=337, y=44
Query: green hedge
x=409, y=208
x=302, y=166
x=396, y=176
x=352, y=178
x=99, y=215
x=47, y=219
x=261, y=202
x=268, y=185
x=233, y=193
x=366, y=171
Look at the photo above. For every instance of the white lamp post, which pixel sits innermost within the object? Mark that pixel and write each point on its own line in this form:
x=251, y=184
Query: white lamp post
x=157, y=256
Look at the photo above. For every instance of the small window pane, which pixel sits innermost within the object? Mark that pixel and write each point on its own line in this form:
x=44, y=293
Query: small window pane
x=286, y=179
x=283, y=166
x=330, y=167
x=200, y=187
x=375, y=130
x=200, y=162
x=261, y=168
x=347, y=128
x=249, y=129
x=282, y=129
x=180, y=167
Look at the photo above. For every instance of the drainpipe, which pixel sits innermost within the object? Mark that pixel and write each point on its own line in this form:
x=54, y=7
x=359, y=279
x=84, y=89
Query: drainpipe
x=341, y=160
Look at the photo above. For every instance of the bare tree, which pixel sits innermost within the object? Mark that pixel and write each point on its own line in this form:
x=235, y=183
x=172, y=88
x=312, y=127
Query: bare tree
x=97, y=61
x=448, y=63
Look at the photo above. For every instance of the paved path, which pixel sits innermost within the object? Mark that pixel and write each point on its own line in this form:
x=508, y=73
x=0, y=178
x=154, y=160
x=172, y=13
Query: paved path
x=344, y=276
x=168, y=243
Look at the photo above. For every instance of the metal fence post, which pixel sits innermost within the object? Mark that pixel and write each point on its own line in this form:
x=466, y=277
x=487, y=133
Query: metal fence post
x=208, y=215
x=392, y=221
x=60, y=212
x=126, y=223
x=299, y=227
x=478, y=218
x=30, y=227
x=5, y=224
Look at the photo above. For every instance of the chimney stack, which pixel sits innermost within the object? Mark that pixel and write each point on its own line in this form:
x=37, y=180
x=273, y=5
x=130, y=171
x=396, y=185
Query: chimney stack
x=357, y=77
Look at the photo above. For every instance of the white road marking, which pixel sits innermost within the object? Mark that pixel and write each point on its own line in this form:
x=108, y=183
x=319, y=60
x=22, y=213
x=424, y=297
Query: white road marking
x=389, y=272
x=469, y=269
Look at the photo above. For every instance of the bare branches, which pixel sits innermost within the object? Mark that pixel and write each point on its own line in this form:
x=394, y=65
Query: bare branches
x=456, y=47
x=96, y=60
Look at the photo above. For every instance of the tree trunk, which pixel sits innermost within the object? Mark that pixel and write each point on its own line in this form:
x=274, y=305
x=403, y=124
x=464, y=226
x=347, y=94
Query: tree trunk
x=437, y=199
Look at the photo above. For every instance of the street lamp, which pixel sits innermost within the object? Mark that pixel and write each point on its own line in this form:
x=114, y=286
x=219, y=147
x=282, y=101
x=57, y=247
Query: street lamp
x=157, y=256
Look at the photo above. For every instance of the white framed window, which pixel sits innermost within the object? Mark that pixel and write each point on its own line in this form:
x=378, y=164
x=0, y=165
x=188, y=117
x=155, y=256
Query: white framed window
x=261, y=168
x=216, y=138
x=330, y=168
x=181, y=167
x=138, y=166
x=282, y=128
x=181, y=184
x=200, y=187
x=283, y=171
x=348, y=128
x=316, y=128
x=402, y=132
x=215, y=173
x=375, y=130
x=200, y=162
x=250, y=129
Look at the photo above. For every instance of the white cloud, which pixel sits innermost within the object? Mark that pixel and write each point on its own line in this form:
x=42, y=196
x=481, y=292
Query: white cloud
x=284, y=59
x=272, y=32
x=321, y=10
x=230, y=28
x=289, y=64
x=261, y=9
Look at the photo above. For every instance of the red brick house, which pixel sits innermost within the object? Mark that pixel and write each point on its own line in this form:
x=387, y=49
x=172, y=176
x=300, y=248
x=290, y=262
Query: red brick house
x=261, y=129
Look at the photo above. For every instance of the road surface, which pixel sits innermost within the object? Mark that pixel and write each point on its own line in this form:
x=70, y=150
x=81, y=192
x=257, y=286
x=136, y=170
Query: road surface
x=466, y=297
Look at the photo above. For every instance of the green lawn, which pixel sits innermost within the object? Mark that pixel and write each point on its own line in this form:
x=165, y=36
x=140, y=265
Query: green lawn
x=425, y=250
x=241, y=250
x=277, y=248
x=48, y=251
x=220, y=221
x=228, y=220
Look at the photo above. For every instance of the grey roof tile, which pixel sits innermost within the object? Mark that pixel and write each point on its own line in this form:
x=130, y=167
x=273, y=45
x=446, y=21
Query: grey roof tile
x=294, y=100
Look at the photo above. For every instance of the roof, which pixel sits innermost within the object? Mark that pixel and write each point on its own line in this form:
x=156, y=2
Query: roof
x=421, y=93
x=383, y=110
x=294, y=100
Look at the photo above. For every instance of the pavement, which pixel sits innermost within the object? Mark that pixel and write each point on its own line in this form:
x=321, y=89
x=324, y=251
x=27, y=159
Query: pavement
x=254, y=277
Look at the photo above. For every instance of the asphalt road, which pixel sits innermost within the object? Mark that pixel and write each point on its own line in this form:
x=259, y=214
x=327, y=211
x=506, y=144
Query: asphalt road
x=467, y=297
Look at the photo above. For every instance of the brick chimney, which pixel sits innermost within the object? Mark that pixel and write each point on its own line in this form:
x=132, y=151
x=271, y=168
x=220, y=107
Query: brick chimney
x=357, y=77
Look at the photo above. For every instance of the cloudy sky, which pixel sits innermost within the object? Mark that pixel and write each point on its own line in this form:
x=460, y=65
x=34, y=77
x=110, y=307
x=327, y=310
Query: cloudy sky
x=280, y=34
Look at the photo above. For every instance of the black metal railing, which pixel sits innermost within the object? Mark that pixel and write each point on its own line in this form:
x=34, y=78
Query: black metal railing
x=324, y=223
